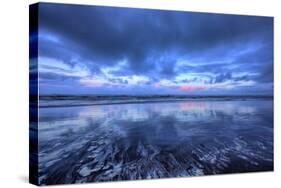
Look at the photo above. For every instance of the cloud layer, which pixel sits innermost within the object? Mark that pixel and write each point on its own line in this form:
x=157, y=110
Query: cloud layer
x=107, y=50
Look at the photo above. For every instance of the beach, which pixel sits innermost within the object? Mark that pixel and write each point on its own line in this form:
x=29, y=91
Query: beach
x=146, y=140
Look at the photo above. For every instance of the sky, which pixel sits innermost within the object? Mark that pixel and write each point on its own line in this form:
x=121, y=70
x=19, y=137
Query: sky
x=126, y=51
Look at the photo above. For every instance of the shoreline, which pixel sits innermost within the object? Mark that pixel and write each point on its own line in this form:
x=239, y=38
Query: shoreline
x=52, y=103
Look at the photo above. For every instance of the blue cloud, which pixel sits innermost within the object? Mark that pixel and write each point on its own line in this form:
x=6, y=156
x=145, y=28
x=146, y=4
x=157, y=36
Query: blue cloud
x=123, y=50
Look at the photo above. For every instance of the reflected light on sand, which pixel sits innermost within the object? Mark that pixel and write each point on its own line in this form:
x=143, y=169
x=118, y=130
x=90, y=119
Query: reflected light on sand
x=187, y=106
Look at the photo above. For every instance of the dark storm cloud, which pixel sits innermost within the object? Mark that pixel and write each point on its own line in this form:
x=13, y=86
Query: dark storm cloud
x=152, y=41
x=116, y=33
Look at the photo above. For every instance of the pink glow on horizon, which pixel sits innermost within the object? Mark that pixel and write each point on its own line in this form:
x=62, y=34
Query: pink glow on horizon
x=191, y=88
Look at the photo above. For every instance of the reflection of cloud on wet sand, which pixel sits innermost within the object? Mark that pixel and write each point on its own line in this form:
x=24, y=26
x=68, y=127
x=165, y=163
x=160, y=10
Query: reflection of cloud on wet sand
x=187, y=106
x=143, y=112
x=131, y=112
x=152, y=140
